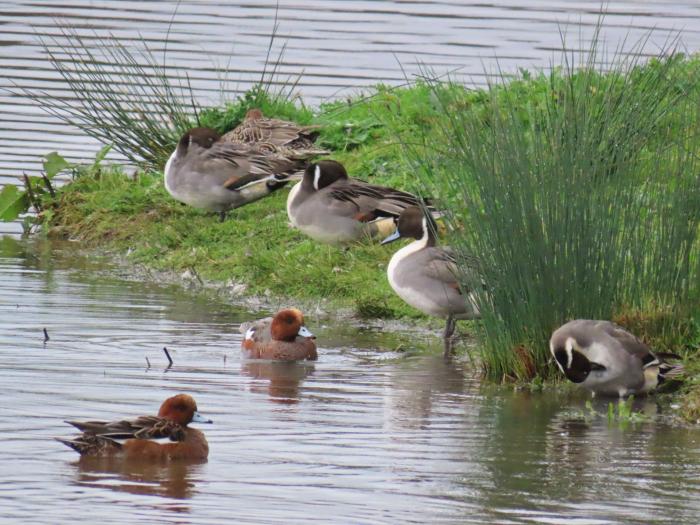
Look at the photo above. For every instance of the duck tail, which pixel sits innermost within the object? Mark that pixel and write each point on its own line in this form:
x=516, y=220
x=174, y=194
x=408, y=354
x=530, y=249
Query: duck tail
x=92, y=445
x=672, y=372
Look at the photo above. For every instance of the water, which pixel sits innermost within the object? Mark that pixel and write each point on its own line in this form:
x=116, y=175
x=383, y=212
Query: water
x=365, y=435
x=338, y=47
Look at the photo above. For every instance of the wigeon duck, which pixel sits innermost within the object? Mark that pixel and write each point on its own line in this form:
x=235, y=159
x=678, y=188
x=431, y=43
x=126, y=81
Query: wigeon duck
x=606, y=359
x=99, y=438
x=282, y=337
x=215, y=175
x=256, y=129
x=330, y=207
x=424, y=275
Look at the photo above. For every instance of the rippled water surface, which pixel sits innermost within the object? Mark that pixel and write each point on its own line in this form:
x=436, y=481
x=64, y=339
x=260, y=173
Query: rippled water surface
x=365, y=435
x=335, y=47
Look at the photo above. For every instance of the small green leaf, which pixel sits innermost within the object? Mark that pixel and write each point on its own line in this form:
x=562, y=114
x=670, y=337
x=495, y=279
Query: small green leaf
x=104, y=150
x=54, y=164
x=12, y=203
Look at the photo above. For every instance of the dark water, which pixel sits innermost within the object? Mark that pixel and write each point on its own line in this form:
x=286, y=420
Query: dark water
x=365, y=435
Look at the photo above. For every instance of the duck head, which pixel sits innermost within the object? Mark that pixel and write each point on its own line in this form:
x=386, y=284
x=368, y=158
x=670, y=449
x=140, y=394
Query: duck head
x=321, y=174
x=416, y=224
x=288, y=324
x=181, y=409
x=571, y=360
x=202, y=137
x=253, y=114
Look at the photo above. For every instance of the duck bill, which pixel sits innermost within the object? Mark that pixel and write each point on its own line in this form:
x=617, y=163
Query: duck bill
x=199, y=418
x=394, y=236
x=304, y=332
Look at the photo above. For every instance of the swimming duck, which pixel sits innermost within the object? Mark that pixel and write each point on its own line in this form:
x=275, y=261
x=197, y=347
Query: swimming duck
x=256, y=128
x=330, y=207
x=606, y=359
x=99, y=438
x=215, y=175
x=282, y=337
x=424, y=275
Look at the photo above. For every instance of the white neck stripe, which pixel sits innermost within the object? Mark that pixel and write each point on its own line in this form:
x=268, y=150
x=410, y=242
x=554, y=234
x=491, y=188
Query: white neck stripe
x=317, y=176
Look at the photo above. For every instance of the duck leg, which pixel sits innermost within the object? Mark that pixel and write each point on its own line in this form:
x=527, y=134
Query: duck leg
x=447, y=336
x=222, y=216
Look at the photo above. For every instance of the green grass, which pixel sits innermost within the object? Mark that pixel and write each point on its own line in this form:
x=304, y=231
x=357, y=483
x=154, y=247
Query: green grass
x=577, y=189
x=254, y=246
x=578, y=192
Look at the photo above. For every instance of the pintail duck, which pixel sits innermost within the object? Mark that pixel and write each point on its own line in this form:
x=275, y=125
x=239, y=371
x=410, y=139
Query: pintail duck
x=255, y=129
x=99, y=438
x=282, y=337
x=330, y=207
x=424, y=275
x=606, y=359
x=215, y=175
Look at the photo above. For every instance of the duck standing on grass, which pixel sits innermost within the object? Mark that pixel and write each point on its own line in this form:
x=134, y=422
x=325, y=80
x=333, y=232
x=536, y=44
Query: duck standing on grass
x=332, y=208
x=282, y=337
x=425, y=275
x=606, y=359
x=215, y=175
x=99, y=438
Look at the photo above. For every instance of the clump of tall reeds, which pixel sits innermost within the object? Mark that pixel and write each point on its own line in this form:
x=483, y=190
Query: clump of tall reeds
x=123, y=94
x=580, y=196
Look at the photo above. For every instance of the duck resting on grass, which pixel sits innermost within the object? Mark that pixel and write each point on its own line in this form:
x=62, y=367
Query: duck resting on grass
x=332, y=208
x=606, y=359
x=282, y=338
x=209, y=173
x=424, y=274
x=100, y=438
x=257, y=129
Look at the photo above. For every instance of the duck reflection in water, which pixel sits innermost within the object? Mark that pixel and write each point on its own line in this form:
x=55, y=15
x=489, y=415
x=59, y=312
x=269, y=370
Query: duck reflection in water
x=280, y=379
x=175, y=479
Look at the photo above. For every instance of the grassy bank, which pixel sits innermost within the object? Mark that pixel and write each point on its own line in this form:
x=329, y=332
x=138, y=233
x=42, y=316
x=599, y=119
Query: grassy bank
x=619, y=146
x=255, y=249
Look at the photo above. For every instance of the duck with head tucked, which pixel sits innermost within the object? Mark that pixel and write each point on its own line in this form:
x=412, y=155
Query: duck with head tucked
x=282, y=337
x=100, y=438
x=425, y=275
x=332, y=208
x=607, y=359
x=216, y=175
x=257, y=129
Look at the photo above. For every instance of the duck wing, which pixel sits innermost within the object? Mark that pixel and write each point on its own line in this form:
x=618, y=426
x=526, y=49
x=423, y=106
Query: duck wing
x=374, y=201
x=629, y=342
x=275, y=131
x=143, y=427
x=442, y=265
x=239, y=164
x=258, y=330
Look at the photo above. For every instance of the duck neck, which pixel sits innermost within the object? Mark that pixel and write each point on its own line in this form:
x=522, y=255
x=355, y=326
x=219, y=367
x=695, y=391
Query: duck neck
x=428, y=239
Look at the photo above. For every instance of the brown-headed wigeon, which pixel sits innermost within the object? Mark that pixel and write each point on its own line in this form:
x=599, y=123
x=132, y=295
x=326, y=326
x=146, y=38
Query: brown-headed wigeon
x=282, y=337
x=332, y=208
x=425, y=275
x=607, y=359
x=216, y=175
x=99, y=438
